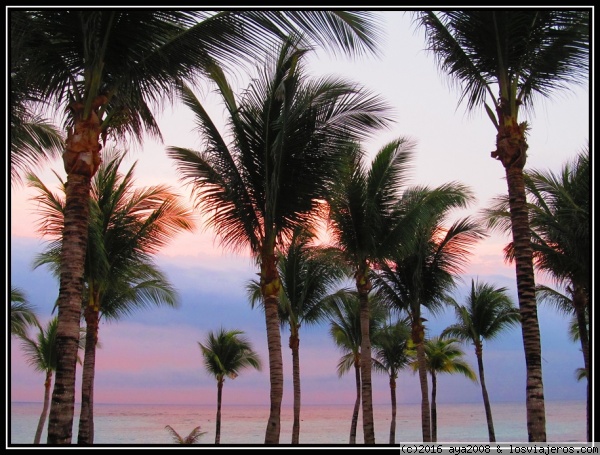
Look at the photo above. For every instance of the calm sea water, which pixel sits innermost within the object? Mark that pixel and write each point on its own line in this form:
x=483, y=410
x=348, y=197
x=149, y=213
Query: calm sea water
x=117, y=424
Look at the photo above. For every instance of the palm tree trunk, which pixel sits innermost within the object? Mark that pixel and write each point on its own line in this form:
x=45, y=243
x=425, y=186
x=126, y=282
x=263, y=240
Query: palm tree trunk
x=393, y=424
x=218, y=421
x=363, y=285
x=85, y=436
x=354, y=423
x=433, y=407
x=42, y=421
x=60, y=423
x=580, y=303
x=270, y=287
x=295, y=346
x=484, y=393
x=81, y=160
x=536, y=414
x=418, y=338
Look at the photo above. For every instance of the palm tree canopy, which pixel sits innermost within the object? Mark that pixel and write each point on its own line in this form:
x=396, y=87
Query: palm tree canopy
x=390, y=347
x=487, y=312
x=523, y=52
x=284, y=123
x=443, y=355
x=191, y=438
x=126, y=61
x=227, y=352
x=22, y=313
x=40, y=352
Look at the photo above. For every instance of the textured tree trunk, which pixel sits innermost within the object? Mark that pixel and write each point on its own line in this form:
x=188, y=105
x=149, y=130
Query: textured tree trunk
x=393, y=424
x=42, y=421
x=418, y=338
x=511, y=148
x=484, y=393
x=218, y=421
x=85, y=436
x=580, y=303
x=270, y=287
x=363, y=285
x=295, y=346
x=433, y=407
x=81, y=160
x=354, y=423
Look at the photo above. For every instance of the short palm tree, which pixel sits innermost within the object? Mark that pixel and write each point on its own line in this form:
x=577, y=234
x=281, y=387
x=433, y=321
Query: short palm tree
x=105, y=70
x=365, y=225
x=308, y=274
x=344, y=313
x=191, y=438
x=487, y=312
x=391, y=354
x=426, y=267
x=40, y=353
x=226, y=353
x=22, y=313
x=272, y=178
x=501, y=60
x=128, y=225
x=443, y=355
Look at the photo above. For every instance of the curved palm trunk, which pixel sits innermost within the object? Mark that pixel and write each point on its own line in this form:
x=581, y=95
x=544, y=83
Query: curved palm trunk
x=218, y=421
x=511, y=148
x=81, y=160
x=433, y=407
x=270, y=287
x=580, y=303
x=42, y=421
x=295, y=346
x=354, y=423
x=484, y=393
x=363, y=286
x=393, y=424
x=418, y=337
x=85, y=436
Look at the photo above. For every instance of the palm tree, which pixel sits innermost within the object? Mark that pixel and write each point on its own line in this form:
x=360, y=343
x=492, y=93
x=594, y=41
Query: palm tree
x=442, y=355
x=390, y=344
x=272, y=179
x=105, y=70
x=559, y=207
x=226, y=353
x=488, y=311
x=40, y=353
x=308, y=274
x=22, y=313
x=127, y=227
x=365, y=226
x=426, y=267
x=501, y=60
x=345, y=328
x=191, y=438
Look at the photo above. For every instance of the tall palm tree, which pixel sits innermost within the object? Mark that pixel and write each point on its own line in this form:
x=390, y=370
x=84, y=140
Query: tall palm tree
x=308, y=274
x=502, y=59
x=344, y=313
x=40, y=353
x=442, y=355
x=559, y=207
x=488, y=311
x=365, y=226
x=390, y=343
x=128, y=225
x=226, y=353
x=426, y=267
x=106, y=70
x=22, y=313
x=191, y=438
x=274, y=176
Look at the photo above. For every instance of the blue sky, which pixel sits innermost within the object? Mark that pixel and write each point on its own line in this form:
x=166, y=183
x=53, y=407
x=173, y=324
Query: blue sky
x=153, y=357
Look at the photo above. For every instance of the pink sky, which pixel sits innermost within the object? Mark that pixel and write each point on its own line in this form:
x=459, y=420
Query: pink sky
x=154, y=357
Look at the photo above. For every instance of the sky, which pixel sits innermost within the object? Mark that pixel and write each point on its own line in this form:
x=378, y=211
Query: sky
x=153, y=356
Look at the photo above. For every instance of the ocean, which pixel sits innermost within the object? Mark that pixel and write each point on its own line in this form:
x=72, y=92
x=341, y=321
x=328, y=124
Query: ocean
x=141, y=424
